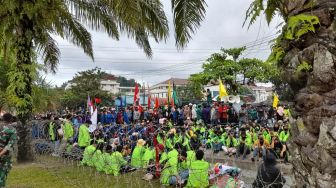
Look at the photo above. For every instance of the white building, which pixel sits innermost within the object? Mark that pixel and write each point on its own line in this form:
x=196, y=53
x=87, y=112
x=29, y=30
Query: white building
x=261, y=93
x=160, y=90
x=109, y=83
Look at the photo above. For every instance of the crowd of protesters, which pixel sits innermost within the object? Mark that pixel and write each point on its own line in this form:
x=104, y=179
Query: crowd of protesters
x=170, y=142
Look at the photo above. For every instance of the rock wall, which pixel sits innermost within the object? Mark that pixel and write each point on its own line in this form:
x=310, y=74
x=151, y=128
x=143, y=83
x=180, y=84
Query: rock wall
x=313, y=147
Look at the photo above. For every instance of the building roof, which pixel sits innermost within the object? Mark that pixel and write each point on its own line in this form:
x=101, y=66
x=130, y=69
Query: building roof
x=176, y=81
x=109, y=77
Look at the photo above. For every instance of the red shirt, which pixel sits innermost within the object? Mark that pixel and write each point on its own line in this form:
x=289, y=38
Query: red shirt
x=222, y=110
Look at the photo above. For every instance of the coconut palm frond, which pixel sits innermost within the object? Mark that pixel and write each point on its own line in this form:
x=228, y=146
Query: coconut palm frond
x=188, y=15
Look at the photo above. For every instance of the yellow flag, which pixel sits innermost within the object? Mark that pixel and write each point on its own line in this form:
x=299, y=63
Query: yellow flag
x=275, y=101
x=169, y=91
x=222, y=90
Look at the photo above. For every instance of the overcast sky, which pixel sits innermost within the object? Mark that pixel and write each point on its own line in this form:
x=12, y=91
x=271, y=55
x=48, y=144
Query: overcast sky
x=222, y=27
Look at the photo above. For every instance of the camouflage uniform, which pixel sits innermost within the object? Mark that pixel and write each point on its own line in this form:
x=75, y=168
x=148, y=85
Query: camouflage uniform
x=7, y=140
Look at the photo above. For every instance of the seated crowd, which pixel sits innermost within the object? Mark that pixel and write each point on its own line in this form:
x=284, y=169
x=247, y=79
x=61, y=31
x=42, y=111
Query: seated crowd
x=167, y=147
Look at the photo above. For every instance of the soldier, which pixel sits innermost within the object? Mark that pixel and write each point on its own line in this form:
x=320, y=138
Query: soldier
x=7, y=140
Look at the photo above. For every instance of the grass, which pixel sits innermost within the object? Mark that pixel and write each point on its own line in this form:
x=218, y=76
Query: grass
x=59, y=173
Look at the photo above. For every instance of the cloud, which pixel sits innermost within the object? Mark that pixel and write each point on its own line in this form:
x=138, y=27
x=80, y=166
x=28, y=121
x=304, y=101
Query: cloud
x=222, y=27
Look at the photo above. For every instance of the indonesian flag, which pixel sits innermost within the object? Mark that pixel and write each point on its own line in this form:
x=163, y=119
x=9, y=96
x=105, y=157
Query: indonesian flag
x=149, y=99
x=136, y=94
x=89, y=103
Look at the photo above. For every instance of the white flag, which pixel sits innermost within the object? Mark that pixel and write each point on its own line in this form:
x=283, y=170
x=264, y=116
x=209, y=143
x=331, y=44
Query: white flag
x=94, y=117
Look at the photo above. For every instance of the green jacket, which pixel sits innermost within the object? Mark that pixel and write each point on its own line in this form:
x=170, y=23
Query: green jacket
x=267, y=136
x=283, y=136
x=163, y=157
x=68, y=130
x=186, y=143
x=159, y=140
x=148, y=155
x=228, y=141
x=170, y=168
x=191, y=157
x=83, y=136
x=87, y=156
x=101, y=160
x=136, y=159
x=95, y=158
x=198, y=174
x=248, y=141
x=169, y=143
x=114, y=162
x=51, y=131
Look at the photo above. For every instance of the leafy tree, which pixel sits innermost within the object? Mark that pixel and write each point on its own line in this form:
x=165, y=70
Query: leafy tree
x=4, y=69
x=191, y=91
x=27, y=26
x=252, y=69
x=124, y=82
x=84, y=84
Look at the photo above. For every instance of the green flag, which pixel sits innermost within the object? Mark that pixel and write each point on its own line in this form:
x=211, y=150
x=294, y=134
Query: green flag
x=175, y=98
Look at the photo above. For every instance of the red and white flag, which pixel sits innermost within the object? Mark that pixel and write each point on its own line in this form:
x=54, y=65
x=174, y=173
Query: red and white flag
x=136, y=94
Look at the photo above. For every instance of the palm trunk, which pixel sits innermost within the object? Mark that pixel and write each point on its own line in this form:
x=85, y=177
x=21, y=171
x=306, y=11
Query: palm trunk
x=313, y=147
x=23, y=90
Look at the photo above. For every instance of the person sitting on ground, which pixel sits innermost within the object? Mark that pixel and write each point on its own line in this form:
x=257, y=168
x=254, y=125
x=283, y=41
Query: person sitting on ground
x=260, y=147
x=266, y=134
x=216, y=141
x=88, y=153
x=244, y=145
x=117, y=164
x=278, y=148
x=149, y=155
x=284, y=134
x=137, y=155
x=101, y=159
x=169, y=173
x=269, y=174
x=97, y=154
x=183, y=167
x=230, y=144
x=198, y=174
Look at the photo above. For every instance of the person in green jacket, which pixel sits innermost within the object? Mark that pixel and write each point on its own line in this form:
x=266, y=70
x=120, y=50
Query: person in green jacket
x=68, y=128
x=97, y=154
x=198, y=173
x=284, y=134
x=231, y=144
x=244, y=144
x=101, y=161
x=148, y=156
x=161, y=138
x=169, y=173
x=266, y=134
x=115, y=162
x=84, y=135
x=88, y=154
x=170, y=142
x=137, y=155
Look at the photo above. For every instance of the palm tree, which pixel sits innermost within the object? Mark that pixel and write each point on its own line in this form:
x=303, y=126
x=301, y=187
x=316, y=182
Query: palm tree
x=27, y=28
x=306, y=53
